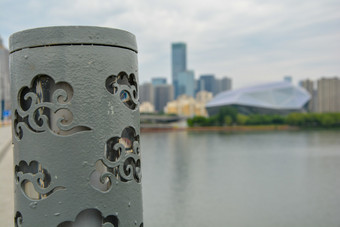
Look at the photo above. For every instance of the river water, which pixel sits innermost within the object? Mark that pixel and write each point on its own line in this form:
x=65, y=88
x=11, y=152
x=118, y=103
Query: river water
x=256, y=179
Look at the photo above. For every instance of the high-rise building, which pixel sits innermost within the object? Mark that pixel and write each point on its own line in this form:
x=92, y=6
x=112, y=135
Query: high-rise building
x=186, y=83
x=146, y=93
x=163, y=94
x=226, y=84
x=207, y=83
x=197, y=86
x=221, y=85
x=158, y=81
x=179, y=63
x=309, y=86
x=328, y=95
x=5, y=98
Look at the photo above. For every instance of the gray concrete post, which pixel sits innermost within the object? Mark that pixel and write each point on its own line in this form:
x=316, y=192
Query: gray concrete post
x=76, y=127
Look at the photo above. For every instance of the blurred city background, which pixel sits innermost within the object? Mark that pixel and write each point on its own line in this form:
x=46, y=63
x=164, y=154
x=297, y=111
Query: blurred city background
x=239, y=103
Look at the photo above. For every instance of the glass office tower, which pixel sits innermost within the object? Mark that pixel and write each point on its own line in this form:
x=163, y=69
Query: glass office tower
x=179, y=63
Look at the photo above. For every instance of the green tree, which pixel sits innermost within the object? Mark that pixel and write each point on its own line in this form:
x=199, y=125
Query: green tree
x=327, y=120
x=296, y=119
x=228, y=120
x=241, y=119
x=226, y=111
x=197, y=121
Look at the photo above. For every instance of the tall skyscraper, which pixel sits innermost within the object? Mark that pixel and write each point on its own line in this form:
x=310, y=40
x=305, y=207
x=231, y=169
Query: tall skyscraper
x=328, y=95
x=4, y=81
x=163, y=94
x=158, y=81
x=186, y=83
x=179, y=63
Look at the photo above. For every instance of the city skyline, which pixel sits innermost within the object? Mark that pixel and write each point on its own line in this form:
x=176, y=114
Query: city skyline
x=250, y=41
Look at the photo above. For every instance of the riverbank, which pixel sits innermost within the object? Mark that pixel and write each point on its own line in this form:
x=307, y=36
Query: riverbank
x=242, y=128
x=235, y=128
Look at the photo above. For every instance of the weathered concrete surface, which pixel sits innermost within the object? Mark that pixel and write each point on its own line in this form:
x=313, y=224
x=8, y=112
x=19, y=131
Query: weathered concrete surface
x=6, y=178
x=79, y=157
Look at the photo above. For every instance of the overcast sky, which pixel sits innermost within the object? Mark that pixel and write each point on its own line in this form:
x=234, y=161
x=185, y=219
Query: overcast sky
x=250, y=41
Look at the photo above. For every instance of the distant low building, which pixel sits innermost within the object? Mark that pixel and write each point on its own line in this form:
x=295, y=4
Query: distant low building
x=204, y=96
x=271, y=98
x=146, y=107
x=288, y=78
x=186, y=106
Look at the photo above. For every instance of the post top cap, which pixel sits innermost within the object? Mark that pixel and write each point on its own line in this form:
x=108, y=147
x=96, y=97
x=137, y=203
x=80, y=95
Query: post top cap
x=69, y=35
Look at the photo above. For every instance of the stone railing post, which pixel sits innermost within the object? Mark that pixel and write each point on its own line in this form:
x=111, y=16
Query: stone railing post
x=76, y=129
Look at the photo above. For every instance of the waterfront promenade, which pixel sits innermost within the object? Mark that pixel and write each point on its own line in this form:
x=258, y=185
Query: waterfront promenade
x=6, y=177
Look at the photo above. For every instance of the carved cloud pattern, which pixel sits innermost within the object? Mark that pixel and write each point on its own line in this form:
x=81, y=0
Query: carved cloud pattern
x=45, y=106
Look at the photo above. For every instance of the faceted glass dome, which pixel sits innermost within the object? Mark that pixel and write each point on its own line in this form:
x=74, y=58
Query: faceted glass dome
x=271, y=98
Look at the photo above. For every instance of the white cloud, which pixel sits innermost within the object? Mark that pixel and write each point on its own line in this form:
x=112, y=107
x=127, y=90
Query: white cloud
x=249, y=40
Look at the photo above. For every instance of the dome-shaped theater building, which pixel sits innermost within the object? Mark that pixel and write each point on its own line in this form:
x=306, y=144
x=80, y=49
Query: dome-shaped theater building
x=272, y=98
